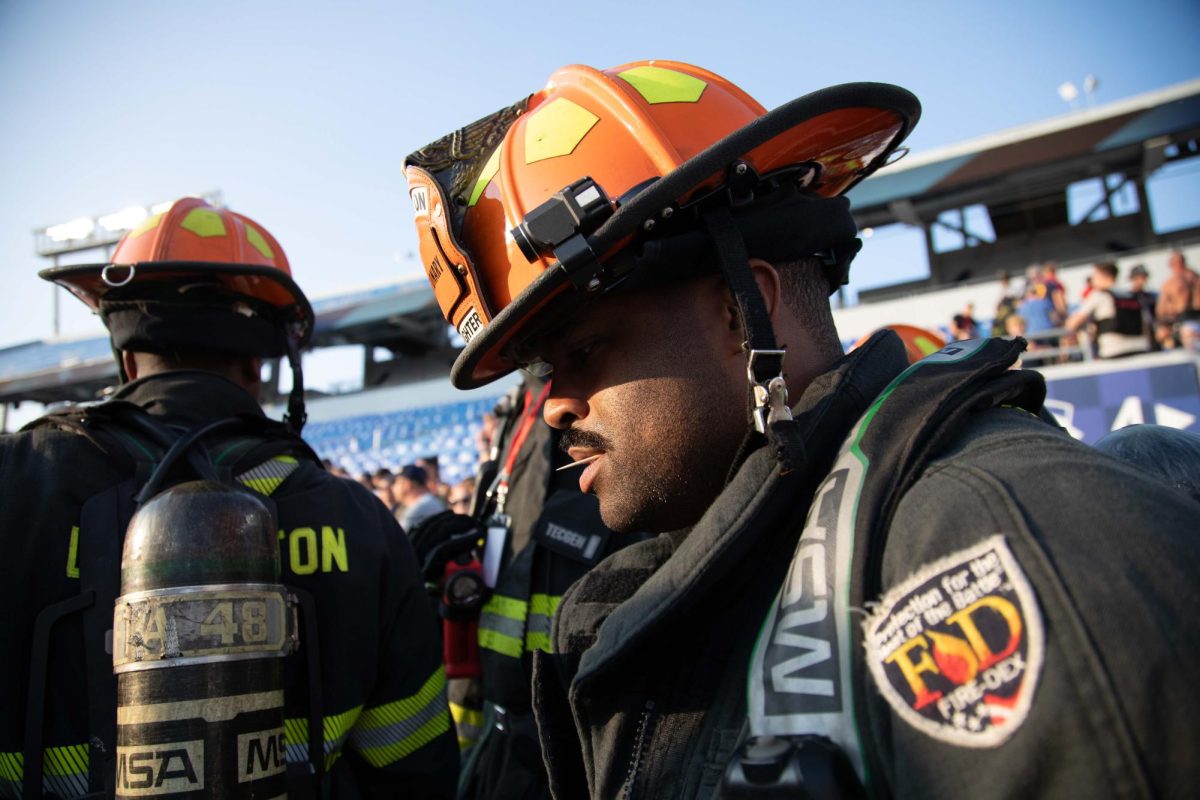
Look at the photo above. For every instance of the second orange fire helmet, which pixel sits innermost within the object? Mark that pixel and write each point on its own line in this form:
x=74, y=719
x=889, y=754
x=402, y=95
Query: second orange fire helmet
x=918, y=342
x=198, y=278
x=604, y=178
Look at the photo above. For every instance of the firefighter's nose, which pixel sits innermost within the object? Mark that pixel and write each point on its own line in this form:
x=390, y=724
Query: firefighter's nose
x=562, y=412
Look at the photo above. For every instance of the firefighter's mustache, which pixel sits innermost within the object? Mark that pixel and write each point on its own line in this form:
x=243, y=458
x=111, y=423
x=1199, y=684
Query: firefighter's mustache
x=584, y=439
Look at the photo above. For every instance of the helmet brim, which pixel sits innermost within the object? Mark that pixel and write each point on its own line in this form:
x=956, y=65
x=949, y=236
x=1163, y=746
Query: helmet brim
x=810, y=128
x=91, y=283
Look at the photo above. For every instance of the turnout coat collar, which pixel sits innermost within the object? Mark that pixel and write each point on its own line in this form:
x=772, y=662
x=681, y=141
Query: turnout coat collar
x=189, y=396
x=624, y=601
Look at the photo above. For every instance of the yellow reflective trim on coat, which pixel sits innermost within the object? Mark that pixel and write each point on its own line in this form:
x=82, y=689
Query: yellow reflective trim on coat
x=469, y=723
x=536, y=640
x=389, y=732
x=69, y=760
x=269, y=475
x=391, y=753
x=73, y=553
x=335, y=729
x=507, y=607
x=12, y=766
x=57, y=762
x=501, y=643
x=544, y=604
x=405, y=708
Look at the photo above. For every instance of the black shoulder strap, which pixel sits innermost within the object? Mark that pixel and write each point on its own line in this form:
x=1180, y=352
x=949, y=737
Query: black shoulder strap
x=134, y=449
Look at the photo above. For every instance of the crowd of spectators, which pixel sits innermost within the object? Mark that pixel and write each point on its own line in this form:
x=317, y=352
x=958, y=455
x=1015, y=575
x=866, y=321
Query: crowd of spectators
x=1118, y=320
x=417, y=492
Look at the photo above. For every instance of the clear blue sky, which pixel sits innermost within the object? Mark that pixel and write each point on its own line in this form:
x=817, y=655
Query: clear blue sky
x=300, y=113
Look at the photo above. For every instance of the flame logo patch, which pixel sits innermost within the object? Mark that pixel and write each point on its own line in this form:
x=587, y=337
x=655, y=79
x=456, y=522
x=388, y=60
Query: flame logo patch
x=957, y=648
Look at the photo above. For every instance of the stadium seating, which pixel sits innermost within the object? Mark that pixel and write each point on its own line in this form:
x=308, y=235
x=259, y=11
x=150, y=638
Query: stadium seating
x=366, y=443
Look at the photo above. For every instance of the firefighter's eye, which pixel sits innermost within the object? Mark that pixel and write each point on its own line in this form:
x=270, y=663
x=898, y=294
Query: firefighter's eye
x=580, y=355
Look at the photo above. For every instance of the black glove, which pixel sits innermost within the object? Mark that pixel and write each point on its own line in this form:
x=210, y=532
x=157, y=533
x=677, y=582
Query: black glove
x=442, y=537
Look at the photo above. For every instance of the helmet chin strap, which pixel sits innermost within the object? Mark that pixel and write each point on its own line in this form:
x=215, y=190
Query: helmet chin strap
x=766, y=388
x=296, y=416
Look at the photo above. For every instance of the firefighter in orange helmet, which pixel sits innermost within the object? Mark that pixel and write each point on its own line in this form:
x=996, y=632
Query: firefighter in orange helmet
x=196, y=277
x=194, y=299
x=918, y=342
x=870, y=574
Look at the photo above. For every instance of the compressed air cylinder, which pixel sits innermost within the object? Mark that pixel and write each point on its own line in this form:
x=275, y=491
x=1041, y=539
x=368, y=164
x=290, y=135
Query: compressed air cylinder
x=199, y=632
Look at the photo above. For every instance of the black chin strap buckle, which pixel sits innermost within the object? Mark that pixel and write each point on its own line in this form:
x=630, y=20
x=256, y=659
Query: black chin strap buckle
x=764, y=370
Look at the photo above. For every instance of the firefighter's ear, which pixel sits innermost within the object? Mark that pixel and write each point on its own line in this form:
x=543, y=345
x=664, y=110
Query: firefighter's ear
x=129, y=364
x=249, y=373
x=767, y=278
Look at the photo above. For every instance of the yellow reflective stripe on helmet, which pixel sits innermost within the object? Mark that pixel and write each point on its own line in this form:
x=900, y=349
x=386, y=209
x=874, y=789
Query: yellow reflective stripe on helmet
x=150, y=224
x=64, y=770
x=660, y=85
x=267, y=476
x=469, y=723
x=335, y=727
x=489, y=171
x=204, y=222
x=556, y=129
x=258, y=242
x=389, y=732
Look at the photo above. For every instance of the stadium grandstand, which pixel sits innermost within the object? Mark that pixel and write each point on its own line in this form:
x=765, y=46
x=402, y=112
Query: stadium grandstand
x=1073, y=190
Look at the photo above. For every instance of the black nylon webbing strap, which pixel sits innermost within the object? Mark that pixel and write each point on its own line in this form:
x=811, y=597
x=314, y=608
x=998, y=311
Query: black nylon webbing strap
x=764, y=359
x=735, y=266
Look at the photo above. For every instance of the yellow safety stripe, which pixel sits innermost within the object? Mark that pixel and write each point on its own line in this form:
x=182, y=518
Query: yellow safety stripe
x=69, y=760
x=500, y=642
x=469, y=723
x=508, y=607
x=510, y=626
x=387, y=733
x=64, y=770
x=12, y=766
x=541, y=610
x=335, y=727
x=536, y=640
x=267, y=476
x=544, y=604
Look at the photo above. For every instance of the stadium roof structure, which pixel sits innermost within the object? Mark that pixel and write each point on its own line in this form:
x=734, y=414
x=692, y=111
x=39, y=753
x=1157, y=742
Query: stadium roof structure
x=400, y=315
x=1021, y=176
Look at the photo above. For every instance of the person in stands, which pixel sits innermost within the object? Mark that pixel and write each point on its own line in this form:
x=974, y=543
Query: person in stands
x=1119, y=320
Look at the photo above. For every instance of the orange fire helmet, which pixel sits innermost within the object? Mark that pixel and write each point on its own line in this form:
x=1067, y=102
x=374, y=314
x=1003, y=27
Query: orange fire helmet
x=601, y=176
x=918, y=342
x=198, y=260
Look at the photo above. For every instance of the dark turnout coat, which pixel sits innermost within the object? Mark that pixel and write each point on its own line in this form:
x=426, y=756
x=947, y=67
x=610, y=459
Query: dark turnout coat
x=1031, y=629
x=386, y=722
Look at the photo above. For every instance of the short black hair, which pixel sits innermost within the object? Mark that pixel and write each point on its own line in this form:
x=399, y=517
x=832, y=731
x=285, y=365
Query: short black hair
x=1108, y=268
x=805, y=289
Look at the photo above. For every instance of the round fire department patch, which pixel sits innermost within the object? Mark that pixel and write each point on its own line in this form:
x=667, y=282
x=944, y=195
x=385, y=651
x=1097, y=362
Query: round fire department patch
x=957, y=648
